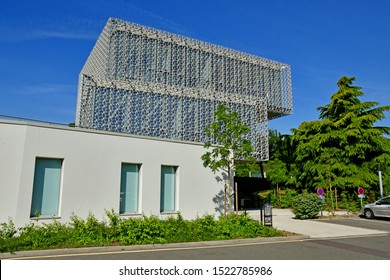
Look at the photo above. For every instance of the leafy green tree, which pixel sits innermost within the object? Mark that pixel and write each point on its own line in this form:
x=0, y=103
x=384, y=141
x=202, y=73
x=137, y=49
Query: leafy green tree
x=282, y=148
x=342, y=149
x=229, y=148
x=275, y=144
x=277, y=173
x=386, y=176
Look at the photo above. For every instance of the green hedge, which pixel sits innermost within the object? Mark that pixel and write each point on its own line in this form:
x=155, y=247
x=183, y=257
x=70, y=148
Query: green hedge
x=121, y=231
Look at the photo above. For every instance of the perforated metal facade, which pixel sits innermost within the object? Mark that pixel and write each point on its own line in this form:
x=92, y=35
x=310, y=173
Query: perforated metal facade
x=144, y=81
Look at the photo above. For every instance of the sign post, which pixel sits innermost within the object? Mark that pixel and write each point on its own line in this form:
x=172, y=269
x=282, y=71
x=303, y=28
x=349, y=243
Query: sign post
x=380, y=179
x=320, y=193
x=361, y=195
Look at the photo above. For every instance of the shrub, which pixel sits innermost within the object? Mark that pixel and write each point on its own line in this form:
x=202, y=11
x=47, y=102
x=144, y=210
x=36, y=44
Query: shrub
x=89, y=231
x=287, y=199
x=112, y=229
x=179, y=230
x=242, y=227
x=283, y=200
x=7, y=230
x=204, y=228
x=144, y=230
x=349, y=202
x=48, y=235
x=306, y=206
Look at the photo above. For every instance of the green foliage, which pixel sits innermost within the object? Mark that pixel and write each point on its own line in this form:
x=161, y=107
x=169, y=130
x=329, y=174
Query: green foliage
x=277, y=172
x=386, y=185
x=47, y=235
x=241, y=227
x=284, y=199
x=144, y=230
x=7, y=230
x=244, y=169
x=179, y=230
x=204, y=228
x=37, y=213
x=8, y=242
x=342, y=149
x=228, y=132
x=89, y=231
x=307, y=206
x=141, y=231
x=281, y=169
x=287, y=200
x=281, y=147
x=349, y=202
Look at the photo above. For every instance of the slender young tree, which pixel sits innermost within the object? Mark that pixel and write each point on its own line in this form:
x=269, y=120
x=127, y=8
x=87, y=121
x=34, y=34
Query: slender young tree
x=277, y=174
x=229, y=147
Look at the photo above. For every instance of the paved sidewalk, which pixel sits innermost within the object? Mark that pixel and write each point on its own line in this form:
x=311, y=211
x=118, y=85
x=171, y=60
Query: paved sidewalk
x=283, y=219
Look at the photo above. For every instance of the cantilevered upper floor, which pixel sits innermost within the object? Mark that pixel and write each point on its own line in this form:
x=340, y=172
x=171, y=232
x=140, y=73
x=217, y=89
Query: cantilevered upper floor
x=145, y=81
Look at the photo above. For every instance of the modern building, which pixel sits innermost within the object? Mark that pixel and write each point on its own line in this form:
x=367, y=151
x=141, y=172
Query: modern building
x=144, y=98
x=144, y=81
x=51, y=171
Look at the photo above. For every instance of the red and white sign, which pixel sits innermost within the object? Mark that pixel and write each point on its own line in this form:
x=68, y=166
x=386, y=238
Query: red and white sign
x=361, y=191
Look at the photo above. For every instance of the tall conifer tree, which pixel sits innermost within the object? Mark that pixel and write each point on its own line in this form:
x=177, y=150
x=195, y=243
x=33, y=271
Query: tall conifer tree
x=343, y=148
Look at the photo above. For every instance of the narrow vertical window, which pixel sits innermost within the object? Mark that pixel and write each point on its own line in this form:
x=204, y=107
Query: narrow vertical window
x=129, y=188
x=46, y=187
x=168, y=186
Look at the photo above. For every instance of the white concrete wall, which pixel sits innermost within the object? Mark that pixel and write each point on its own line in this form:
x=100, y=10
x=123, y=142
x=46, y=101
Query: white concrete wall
x=92, y=168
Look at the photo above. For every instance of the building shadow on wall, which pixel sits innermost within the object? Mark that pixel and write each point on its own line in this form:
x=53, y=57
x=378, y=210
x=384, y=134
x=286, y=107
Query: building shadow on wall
x=219, y=198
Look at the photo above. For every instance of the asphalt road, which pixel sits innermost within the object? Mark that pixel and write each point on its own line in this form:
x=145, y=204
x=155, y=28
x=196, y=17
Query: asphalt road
x=357, y=248
x=378, y=224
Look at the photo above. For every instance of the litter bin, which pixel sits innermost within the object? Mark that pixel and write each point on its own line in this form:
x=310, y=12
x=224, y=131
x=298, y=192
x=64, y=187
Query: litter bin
x=267, y=214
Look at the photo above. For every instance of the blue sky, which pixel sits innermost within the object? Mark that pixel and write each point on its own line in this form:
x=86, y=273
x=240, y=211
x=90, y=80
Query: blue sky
x=44, y=44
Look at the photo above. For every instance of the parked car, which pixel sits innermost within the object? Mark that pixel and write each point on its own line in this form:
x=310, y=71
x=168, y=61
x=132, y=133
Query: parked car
x=380, y=208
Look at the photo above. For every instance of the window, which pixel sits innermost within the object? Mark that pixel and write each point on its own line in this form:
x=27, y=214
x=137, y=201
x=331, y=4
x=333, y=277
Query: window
x=129, y=188
x=385, y=201
x=46, y=187
x=168, y=186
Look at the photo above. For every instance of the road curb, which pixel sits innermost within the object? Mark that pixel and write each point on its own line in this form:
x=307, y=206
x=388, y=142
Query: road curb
x=132, y=248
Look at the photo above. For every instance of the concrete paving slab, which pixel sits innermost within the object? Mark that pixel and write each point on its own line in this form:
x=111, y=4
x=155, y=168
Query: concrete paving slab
x=284, y=219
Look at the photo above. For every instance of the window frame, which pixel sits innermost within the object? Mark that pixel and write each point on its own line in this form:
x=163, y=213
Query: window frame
x=40, y=192
x=173, y=193
x=122, y=207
